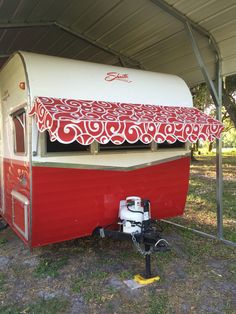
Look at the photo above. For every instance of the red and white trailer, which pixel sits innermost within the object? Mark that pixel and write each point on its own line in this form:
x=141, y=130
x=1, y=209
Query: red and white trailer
x=78, y=137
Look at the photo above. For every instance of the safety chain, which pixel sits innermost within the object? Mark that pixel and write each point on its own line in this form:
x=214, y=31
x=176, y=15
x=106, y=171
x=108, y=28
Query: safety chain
x=138, y=247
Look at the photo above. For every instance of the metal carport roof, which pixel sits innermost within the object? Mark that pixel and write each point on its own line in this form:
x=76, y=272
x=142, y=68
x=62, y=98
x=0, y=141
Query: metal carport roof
x=137, y=33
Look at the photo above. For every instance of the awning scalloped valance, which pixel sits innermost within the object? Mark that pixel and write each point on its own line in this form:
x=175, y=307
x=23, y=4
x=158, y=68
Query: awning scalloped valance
x=86, y=121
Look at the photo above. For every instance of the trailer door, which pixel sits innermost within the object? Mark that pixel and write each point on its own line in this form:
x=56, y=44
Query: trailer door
x=16, y=171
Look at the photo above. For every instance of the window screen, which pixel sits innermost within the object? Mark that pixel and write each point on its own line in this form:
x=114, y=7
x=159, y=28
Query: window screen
x=125, y=145
x=57, y=147
x=176, y=144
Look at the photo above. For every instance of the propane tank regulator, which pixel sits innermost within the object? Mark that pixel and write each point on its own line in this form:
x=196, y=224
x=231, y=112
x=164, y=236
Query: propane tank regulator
x=134, y=214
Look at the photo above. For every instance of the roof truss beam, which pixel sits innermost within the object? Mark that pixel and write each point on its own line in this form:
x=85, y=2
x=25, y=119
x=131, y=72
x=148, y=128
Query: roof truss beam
x=201, y=64
x=126, y=60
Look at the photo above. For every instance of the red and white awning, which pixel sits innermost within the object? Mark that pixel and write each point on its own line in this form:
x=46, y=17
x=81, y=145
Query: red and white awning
x=85, y=121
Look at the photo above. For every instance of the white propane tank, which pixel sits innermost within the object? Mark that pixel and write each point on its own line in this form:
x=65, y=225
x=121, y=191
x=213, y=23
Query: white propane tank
x=131, y=214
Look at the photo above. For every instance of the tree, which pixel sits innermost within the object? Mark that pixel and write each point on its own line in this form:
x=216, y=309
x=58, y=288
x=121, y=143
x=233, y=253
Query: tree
x=202, y=98
x=229, y=97
x=203, y=101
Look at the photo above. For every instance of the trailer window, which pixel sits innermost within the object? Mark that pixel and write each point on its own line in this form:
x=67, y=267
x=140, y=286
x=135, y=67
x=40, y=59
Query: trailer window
x=125, y=145
x=176, y=144
x=57, y=147
x=19, y=124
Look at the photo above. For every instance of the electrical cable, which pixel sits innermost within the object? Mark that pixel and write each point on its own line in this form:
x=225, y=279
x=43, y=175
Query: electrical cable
x=133, y=211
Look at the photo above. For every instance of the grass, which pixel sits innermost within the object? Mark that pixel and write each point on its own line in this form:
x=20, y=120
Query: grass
x=158, y=304
x=125, y=274
x=53, y=306
x=10, y=309
x=200, y=210
x=91, y=286
x=2, y=281
x=3, y=241
x=50, y=266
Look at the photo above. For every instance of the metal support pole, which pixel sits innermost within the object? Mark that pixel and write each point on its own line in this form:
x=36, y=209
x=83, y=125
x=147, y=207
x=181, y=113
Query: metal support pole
x=219, y=171
x=216, y=94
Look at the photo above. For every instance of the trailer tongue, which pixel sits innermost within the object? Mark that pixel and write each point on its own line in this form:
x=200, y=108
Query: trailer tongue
x=135, y=224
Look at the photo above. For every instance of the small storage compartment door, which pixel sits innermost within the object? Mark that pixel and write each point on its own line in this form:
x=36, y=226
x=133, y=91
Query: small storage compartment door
x=20, y=206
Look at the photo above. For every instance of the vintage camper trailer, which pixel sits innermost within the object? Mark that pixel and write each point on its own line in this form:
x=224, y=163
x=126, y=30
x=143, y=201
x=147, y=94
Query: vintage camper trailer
x=78, y=137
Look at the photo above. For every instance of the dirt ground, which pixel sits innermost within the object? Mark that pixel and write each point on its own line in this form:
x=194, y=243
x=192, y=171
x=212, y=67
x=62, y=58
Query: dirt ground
x=84, y=276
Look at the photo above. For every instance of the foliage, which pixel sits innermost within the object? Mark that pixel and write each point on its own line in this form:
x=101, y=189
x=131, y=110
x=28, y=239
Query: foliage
x=229, y=138
x=229, y=101
x=203, y=101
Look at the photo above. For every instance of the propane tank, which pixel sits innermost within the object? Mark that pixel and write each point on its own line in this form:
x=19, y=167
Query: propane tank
x=132, y=214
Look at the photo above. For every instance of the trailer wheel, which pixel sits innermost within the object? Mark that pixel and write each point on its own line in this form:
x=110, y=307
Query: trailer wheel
x=3, y=224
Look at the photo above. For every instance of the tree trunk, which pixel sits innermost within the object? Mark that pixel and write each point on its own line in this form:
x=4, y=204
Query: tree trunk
x=230, y=106
x=210, y=147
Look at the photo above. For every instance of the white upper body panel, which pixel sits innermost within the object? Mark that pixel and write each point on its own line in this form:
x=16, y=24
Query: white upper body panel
x=65, y=78
x=12, y=98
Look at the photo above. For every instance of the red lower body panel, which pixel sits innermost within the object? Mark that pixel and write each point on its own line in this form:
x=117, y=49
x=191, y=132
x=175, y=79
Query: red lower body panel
x=71, y=203
x=14, y=210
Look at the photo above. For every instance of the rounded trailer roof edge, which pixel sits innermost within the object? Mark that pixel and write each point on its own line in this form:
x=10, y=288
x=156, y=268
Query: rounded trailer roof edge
x=76, y=79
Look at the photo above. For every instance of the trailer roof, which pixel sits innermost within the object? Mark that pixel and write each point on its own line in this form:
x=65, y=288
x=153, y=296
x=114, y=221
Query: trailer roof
x=147, y=34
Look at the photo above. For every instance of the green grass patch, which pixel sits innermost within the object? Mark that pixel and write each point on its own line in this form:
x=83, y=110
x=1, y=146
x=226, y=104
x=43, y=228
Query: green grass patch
x=50, y=266
x=125, y=274
x=2, y=281
x=78, y=285
x=200, y=212
x=158, y=304
x=3, y=241
x=91, y=286
x=10, y=309
x=53, y=306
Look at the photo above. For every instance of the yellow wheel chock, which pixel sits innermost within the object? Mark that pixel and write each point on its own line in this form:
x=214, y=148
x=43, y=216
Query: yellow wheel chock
x=145, y=281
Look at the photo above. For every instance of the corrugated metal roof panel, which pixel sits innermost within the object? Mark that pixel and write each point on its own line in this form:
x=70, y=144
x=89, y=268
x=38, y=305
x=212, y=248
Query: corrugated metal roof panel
x=73, y=11
x=23, y=9
x=209, y=10
x=225, y=31
x=114, y=18
x=39, y=11
x=7, y=10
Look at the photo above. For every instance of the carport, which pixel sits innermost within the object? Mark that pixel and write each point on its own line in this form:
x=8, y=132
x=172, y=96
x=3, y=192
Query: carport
x=193, y=39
